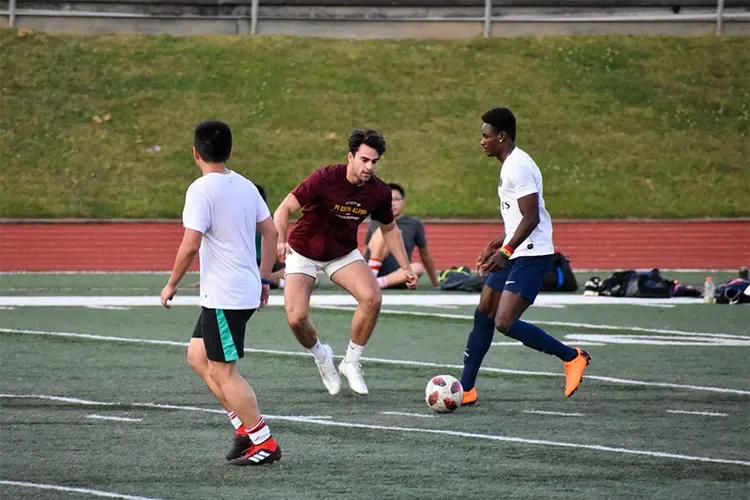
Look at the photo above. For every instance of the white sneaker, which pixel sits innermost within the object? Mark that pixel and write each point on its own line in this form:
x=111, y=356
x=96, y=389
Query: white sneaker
x=353, y=373
x=327, y=371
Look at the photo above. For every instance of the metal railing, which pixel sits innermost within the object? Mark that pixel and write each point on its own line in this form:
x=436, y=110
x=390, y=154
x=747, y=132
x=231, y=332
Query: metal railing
x=487, y=19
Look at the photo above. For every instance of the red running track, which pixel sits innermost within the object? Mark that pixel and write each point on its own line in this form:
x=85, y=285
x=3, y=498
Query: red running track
x=151, y=246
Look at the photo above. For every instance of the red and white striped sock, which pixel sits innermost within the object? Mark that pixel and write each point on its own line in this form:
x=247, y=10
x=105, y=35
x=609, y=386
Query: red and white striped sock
x=375, y=265
x=260, y=432
x=236, y=422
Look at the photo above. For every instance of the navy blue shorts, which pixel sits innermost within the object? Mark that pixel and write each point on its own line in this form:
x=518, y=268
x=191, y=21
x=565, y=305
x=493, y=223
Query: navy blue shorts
x=523, y=275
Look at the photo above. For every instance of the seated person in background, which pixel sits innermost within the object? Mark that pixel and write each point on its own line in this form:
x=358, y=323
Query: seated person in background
x=383, y=265
x=277, y=276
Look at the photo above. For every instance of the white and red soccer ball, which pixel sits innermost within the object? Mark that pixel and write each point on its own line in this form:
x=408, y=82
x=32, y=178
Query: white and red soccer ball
x=444, y=393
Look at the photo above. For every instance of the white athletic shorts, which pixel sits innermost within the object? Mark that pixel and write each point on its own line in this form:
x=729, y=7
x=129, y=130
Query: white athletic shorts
x=299, y=264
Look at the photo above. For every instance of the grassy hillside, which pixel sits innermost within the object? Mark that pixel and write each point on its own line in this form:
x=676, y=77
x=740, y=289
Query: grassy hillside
x=621, y=126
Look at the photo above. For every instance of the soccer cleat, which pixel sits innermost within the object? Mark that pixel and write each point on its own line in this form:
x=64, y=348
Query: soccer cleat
x=267, y=452
x=574, y=371
x=327, y=371
x=241, y=443
x=353, y=374
x=470, y=397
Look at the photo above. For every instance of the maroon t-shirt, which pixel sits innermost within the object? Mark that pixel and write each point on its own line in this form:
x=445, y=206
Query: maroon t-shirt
x=332, y=210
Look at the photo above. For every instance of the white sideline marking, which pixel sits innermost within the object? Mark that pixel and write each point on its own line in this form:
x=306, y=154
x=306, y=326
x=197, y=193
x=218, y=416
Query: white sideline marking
x=397, y=362
x=86, y=491
x=406, y=414
x=558, y=413
x=707, y=413
x=111, y=308
x=491, y=437
x=403, y=299
x=118, y=419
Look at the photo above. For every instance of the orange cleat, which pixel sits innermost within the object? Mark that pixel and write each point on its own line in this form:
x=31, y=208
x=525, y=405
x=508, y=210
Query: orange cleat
x=574, y=371
x=470, y=397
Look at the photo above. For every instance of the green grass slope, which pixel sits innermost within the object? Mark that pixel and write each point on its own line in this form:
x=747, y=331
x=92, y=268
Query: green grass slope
x=620, y=126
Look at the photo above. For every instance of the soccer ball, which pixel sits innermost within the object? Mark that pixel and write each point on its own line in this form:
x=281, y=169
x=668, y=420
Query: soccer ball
x=443, y=393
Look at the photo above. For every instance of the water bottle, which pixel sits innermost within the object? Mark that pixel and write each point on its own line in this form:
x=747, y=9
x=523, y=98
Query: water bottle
x=708, y=291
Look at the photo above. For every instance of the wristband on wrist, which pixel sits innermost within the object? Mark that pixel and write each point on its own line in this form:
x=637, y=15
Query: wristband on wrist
x=264, y=282
x=507, y=250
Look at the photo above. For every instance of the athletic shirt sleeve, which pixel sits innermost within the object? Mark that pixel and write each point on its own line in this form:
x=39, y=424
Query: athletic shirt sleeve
x=384, y=213
x=311, y=188
x=522, y=180
x=197, y=212
x=420, y=238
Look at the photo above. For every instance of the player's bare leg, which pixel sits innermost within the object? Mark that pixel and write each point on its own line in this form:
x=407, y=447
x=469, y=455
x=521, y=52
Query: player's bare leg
x=297, y=292
x=398, y=277
x=507, y=320
x=378, y=248
x=357, y=279
x=198, y=361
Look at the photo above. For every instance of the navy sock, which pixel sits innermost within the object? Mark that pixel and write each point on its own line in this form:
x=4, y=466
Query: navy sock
x=477, y=346
x=536, y=338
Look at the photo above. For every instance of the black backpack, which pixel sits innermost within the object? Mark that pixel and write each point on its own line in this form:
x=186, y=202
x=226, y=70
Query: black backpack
x=560, y=277
x=461, y=279
x=634, y=284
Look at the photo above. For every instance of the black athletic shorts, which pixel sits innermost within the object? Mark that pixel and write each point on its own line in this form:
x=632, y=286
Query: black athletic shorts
x=223, y=332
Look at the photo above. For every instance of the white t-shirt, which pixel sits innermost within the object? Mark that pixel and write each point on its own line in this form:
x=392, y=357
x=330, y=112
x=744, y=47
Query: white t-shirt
x=519, y=177
x=226, y=209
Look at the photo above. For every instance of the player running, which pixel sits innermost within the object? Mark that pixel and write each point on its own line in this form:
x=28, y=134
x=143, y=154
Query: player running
x=516, y=262
x=334, y=201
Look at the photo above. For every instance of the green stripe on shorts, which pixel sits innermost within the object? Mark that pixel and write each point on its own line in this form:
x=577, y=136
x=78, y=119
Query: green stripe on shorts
x=227, y=342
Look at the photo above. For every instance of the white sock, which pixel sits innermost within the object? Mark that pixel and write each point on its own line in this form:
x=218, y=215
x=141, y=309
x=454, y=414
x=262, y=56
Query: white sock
x=382, y=282
x=353, y=352
x=260, y=432
x=318, y=351
x=282, y=282
x=236, y=422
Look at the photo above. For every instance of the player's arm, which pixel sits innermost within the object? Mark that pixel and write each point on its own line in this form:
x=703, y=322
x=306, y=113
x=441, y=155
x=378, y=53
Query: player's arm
x=429, y=266
x=267, y=228
x=395, y=244
x=186, y=253
x=529, y=207
x=281, y=217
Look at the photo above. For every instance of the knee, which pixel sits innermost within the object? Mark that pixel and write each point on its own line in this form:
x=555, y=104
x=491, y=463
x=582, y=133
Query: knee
x=418, y=269
x=503, y=324
x=372, y=300
x=219, y=372
x=296, y=319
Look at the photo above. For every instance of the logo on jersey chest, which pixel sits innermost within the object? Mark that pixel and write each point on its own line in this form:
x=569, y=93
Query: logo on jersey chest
x=350, y=210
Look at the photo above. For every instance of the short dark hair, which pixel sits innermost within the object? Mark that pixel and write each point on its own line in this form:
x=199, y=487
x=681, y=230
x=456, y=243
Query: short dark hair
x=501, y=120
x=262, y=192
x=397, y=187
x=368, y=137
x=213, y=141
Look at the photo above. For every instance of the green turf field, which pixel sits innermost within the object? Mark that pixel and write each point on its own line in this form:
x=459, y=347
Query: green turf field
x=621, y=126
x=663, y=411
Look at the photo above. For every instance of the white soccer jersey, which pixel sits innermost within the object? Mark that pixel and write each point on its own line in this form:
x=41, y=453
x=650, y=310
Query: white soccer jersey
x=519, y=177
x=226, y=209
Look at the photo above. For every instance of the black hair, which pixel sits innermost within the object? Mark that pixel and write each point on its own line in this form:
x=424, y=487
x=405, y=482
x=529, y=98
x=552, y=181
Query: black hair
x=262, y=192
x=397, y=187
x=501, y=120
x=213, y=141
x=368, y=137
